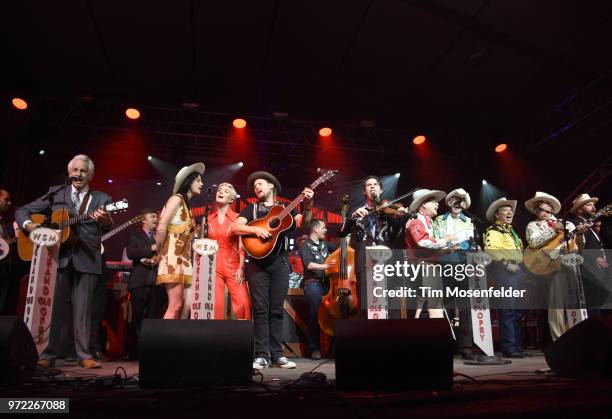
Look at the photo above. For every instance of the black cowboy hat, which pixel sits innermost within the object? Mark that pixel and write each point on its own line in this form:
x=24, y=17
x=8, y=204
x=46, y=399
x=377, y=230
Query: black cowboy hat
x=264, y=175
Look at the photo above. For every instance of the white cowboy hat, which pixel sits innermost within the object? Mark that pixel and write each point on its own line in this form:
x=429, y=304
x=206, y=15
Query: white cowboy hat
x=580, y=201
x=495, y=205
x=543, y=196
x=461, y=194
x=423, y=195
x=185, y=172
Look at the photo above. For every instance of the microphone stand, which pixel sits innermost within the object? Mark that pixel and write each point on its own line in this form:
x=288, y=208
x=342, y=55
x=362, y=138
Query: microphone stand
x=204, y=232
x=50, y=196
x=477, y=239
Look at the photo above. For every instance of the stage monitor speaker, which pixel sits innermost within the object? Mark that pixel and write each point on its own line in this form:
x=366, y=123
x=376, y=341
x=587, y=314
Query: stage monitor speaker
x=18, y=354
x=584, y=351
x=392, y=355
x=175, y=353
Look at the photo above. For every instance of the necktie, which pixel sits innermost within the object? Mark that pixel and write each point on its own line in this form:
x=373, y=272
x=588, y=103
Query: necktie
x=152, y=235
x=76, y=200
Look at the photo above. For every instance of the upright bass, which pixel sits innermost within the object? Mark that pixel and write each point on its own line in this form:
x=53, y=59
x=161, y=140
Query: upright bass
x=342, y=300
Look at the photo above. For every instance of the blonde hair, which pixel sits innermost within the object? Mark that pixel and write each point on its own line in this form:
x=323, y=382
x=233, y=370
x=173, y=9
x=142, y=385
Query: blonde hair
x=86, y=159
x=233, y=193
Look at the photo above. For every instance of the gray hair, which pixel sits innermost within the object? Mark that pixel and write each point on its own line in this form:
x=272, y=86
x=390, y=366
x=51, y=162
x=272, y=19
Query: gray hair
x=86, y=159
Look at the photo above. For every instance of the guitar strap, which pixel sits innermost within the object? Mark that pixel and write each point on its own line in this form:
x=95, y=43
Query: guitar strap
x=84, y=203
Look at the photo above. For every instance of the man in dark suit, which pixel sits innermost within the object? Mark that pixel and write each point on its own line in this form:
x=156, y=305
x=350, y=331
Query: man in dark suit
x=80, y=261
x=596, y=267
x=145, y=296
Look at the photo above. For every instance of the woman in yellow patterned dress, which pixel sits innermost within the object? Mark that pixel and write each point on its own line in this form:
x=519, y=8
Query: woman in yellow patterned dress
x=174, y=234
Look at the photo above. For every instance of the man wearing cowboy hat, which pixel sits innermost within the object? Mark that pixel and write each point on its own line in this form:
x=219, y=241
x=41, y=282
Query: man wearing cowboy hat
x=454, y=221
x=420, y=235
x=268, y=278
x=596, y=267
x=506, y=249
x=538, y=234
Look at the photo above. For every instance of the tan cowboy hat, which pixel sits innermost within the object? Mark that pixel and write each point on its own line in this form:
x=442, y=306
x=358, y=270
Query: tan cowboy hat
x=424, y=195
x=185, y=172
x=543, y=196
x=580, y=201
x=461, y=194
x=264, y=175
x=495, y=205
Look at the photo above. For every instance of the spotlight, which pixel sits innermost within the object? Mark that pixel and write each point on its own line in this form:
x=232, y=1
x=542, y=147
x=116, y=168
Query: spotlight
x=237, y=196
x=484, y=182
x=501, y=148
x=398, y=174
x=419, y=139
x=150, y=158
x=158, y=183
x=240, y=164
x=325, y=132
x=132, y=113
x=41, y=152
x=239, y=123
x=109, y=181
x=19, y=103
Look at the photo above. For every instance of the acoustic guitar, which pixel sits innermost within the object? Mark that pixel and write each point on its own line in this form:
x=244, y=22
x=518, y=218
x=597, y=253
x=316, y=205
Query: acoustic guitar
x=277, y=221
x=539, y=262
x=62, y=221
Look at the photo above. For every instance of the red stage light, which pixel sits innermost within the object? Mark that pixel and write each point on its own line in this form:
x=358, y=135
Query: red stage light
x=325, y=132
x=239, y=123
x=132, y=113
x=19, y=103
x=419, y=139
x=501, y=148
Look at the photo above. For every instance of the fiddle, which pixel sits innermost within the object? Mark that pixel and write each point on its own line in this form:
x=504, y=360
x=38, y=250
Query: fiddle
x=390, y=207
x=387, y=207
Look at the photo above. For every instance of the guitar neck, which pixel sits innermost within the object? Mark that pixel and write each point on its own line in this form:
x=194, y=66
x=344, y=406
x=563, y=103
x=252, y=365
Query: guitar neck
x=297, y=201
x=75, y=220
x=116, y=230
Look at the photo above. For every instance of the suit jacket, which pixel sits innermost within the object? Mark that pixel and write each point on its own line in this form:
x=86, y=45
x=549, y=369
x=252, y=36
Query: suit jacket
x=593, y=248
x=138, y=247
x=85, y=254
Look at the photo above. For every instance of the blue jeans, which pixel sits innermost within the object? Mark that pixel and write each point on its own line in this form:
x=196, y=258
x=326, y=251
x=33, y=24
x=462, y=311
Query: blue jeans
x=313, y=292
x=511, y=314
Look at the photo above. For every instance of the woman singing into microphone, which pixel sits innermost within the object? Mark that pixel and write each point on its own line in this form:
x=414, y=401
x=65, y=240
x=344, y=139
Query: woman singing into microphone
x=230, y=257
x=174, y=234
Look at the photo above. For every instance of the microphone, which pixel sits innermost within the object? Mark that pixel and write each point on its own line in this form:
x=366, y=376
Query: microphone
x=374, y=197
x=457, y=206
x=74, y=178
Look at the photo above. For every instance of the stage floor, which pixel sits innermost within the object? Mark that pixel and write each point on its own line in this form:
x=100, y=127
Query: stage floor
x=517, y=370
x=516, y=389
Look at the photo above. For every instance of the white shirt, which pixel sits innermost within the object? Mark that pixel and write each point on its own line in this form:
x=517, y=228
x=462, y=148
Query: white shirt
x=82, y=194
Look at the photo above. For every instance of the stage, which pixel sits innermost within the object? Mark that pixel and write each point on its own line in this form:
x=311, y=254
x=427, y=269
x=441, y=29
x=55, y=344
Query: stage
x=490, y=391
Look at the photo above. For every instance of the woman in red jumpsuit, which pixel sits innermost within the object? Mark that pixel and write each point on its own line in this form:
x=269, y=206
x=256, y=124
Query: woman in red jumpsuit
x=230, y=257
